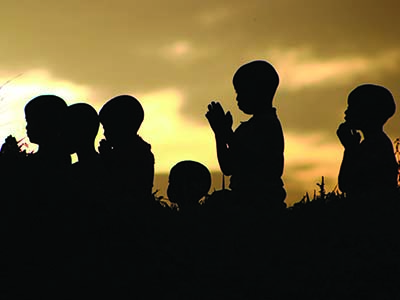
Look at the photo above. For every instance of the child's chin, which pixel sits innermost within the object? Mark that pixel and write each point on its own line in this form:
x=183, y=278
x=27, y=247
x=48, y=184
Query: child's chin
x=353, y=126
x=246, y=110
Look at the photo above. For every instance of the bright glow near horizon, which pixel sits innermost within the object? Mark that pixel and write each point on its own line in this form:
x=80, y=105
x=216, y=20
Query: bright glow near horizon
x=16, y=93
x=174, y=138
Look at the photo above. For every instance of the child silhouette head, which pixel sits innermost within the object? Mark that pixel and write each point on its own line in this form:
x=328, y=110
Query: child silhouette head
x=369, y=106
x=84, y=126
x=255, y=83
x=45, y=119
x=189, y=181
x=121, y=118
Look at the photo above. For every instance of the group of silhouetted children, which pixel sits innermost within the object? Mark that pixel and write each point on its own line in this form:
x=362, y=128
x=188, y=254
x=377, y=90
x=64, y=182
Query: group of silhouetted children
x=107, y=189
x=253, y=154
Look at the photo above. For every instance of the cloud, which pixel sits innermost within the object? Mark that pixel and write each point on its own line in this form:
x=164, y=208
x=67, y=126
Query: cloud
x=215, y=16
x=308, y=156
x=183, y=52
x=18, y=90
x=301, y=68
x=321, y=155
x=179, y=49
x=172, y=136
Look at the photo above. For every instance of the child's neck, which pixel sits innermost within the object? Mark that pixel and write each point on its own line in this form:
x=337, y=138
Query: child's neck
x=126, y=142
x=372, y=131
x=264, y=110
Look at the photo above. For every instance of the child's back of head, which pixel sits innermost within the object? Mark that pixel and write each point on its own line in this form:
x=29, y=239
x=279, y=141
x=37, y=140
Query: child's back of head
x=373, y=104
x=189, y=181
x=121, y=118
x=84, y=126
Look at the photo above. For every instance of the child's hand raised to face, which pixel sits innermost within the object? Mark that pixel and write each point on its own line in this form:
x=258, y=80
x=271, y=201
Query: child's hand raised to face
x=220, y=122
x=104, y=147
x=349, y=138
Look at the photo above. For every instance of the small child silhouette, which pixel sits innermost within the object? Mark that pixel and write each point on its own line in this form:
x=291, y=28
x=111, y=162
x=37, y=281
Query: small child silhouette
x=369, y=166
x=88, y=176
x=253, y=154
x=189, y=181
x=86, y=210
x=127, y=155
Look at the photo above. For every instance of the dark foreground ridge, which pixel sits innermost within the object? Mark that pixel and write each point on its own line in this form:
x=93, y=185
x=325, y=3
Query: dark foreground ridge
x=330, y=247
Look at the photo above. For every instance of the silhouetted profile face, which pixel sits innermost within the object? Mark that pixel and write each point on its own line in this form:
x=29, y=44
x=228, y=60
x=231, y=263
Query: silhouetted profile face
x=369, y=106
x=83, y=126
x=255, y=84
x=45, y=117
x=121, y=118
x=189, y=181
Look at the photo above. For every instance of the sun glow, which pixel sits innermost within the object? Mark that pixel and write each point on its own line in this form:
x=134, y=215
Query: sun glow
x=174, y=138
x=16, y=91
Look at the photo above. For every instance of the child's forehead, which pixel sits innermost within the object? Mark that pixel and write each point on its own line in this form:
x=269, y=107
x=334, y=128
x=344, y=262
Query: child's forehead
x=358, y=100
x=247, y=87
x=353, y=101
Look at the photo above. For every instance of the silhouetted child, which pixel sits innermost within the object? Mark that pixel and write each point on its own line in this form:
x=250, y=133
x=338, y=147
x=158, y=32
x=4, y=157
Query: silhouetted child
x=46, y=123
x=127, y=155
x=369, y=167
x=88, y=195
x=40, y=209
x=88, y=174
x=253, y=153
x=189, y=182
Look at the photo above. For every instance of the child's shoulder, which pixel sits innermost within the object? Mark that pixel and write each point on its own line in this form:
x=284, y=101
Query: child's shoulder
x=378, y=145
x=378, y=140
x=143, y=150
x=142, y=144
x=265, y=122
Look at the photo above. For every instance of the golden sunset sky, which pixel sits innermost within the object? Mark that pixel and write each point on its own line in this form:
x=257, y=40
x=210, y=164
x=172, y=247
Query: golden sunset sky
x=177, y=56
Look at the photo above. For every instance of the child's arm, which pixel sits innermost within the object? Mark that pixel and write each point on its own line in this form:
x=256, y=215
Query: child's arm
x=221, y=124
x=350, y=140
